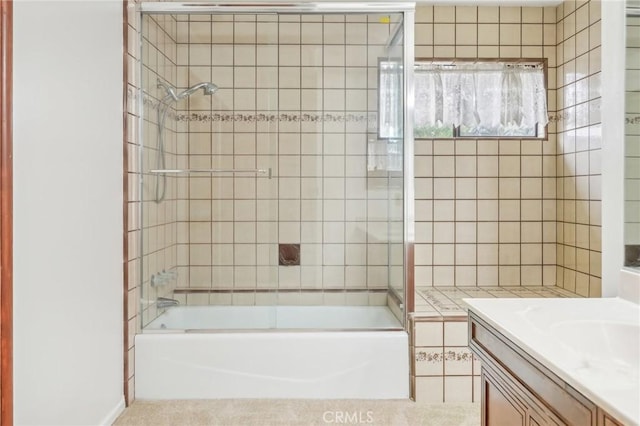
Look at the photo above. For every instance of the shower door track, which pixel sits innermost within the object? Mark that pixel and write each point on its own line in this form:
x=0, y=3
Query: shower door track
x=281, y=7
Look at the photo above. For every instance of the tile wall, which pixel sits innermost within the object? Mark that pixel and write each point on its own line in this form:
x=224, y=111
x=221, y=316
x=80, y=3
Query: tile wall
x=632, y=142
x=133, y=263
x=445, y=370
x=159, y=219
x=515, y=212
x=579, y=143
x=506, y=212
x=298, y=95
x=156, y=229
x=486, y=209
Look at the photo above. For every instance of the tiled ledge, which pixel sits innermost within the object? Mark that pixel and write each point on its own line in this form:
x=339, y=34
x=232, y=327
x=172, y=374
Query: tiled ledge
x=446, y=302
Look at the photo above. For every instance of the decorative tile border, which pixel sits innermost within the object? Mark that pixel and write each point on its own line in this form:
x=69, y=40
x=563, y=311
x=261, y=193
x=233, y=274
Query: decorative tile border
x=436, y=357
x=555, y=118
x=632, y=120
x=320, y=117
x=151, y=103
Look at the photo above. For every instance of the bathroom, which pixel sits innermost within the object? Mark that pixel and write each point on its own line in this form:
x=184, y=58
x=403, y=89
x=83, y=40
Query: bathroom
x=553, y=218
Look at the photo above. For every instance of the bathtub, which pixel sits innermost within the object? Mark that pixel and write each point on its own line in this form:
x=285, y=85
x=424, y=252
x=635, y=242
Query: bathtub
x=325, y=352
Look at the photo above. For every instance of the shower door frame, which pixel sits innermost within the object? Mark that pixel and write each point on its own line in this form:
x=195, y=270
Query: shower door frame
x=407, y=9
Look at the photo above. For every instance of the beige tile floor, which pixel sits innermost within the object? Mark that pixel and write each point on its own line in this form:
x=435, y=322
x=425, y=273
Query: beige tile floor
x=264, y=412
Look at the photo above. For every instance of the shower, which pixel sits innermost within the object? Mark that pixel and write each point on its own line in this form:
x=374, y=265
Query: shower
x=284, y=211
x=163, y=107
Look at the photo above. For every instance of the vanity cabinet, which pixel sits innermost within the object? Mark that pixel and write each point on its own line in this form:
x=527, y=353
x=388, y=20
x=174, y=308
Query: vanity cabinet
x=519, y=390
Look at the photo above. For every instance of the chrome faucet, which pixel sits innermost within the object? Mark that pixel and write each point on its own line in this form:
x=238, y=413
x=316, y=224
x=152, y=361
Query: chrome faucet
x=165, y=302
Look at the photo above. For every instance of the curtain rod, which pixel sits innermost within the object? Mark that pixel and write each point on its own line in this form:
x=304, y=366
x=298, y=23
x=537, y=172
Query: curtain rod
x=496, y=65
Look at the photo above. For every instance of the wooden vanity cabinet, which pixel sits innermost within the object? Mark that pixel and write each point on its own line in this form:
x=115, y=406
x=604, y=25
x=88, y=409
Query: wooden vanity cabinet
x=518, y=390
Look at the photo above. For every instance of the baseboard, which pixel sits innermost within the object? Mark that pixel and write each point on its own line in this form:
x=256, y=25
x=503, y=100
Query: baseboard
x=114, y=414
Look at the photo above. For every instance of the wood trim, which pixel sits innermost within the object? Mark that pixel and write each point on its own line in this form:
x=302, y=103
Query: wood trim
x=6, y=213
x=205, y=290
x=410, y=287
x=439, y=318
x=125, y=206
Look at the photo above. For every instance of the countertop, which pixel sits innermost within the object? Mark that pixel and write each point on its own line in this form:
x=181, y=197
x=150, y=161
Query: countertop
x=591, y=344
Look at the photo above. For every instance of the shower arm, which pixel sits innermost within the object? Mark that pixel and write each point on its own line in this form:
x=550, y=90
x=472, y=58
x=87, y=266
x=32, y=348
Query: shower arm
x=171, y=91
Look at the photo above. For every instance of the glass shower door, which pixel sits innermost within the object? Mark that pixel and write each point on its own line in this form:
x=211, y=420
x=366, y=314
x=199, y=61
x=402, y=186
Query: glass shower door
x=244, y=135
x=282, y=188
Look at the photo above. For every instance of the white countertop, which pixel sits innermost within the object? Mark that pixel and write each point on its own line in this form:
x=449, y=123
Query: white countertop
x=591, y=344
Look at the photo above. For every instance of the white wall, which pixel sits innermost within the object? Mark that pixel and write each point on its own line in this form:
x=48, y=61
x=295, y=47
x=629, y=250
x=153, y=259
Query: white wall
x=613, y=65
x=68, y=316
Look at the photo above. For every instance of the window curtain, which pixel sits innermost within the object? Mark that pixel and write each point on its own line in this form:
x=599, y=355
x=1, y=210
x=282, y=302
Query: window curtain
x=481, y=98
x=390, y=101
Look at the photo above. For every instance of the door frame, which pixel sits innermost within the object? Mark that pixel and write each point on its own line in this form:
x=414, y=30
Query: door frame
x=6, y=213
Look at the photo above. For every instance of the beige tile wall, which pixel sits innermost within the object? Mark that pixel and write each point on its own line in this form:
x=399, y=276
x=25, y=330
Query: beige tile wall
x=133, y=201
x=158, y=222
x=159, y=219
x=485, y=209
x=579, y=147
x=445, y=370
x=297, y=94
x=632, y=143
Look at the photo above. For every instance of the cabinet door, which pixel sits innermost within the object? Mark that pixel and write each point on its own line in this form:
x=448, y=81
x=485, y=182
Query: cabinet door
x=499, y=409
x=605, y=420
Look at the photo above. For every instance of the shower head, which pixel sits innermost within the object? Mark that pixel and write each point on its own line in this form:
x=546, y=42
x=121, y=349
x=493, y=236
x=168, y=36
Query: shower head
x=208, y=88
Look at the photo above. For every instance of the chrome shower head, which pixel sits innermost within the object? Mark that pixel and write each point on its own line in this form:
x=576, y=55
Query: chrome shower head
x=208, y=88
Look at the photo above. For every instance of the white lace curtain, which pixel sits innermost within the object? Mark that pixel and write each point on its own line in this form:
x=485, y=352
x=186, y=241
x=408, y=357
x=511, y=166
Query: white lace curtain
x=390, y=102
x=485, y=98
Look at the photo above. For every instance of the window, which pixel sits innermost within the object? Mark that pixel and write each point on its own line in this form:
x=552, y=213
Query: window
x=480, y=99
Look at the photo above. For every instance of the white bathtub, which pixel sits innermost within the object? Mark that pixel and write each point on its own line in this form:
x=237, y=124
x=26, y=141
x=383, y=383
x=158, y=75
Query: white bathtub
x=315, y=352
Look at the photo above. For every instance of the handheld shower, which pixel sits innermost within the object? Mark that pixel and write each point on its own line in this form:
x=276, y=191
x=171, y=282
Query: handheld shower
x=208, y=88
x=163, y=107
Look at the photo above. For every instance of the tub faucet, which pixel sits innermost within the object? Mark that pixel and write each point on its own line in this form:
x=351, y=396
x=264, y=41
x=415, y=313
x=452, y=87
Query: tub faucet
x=165, y=302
